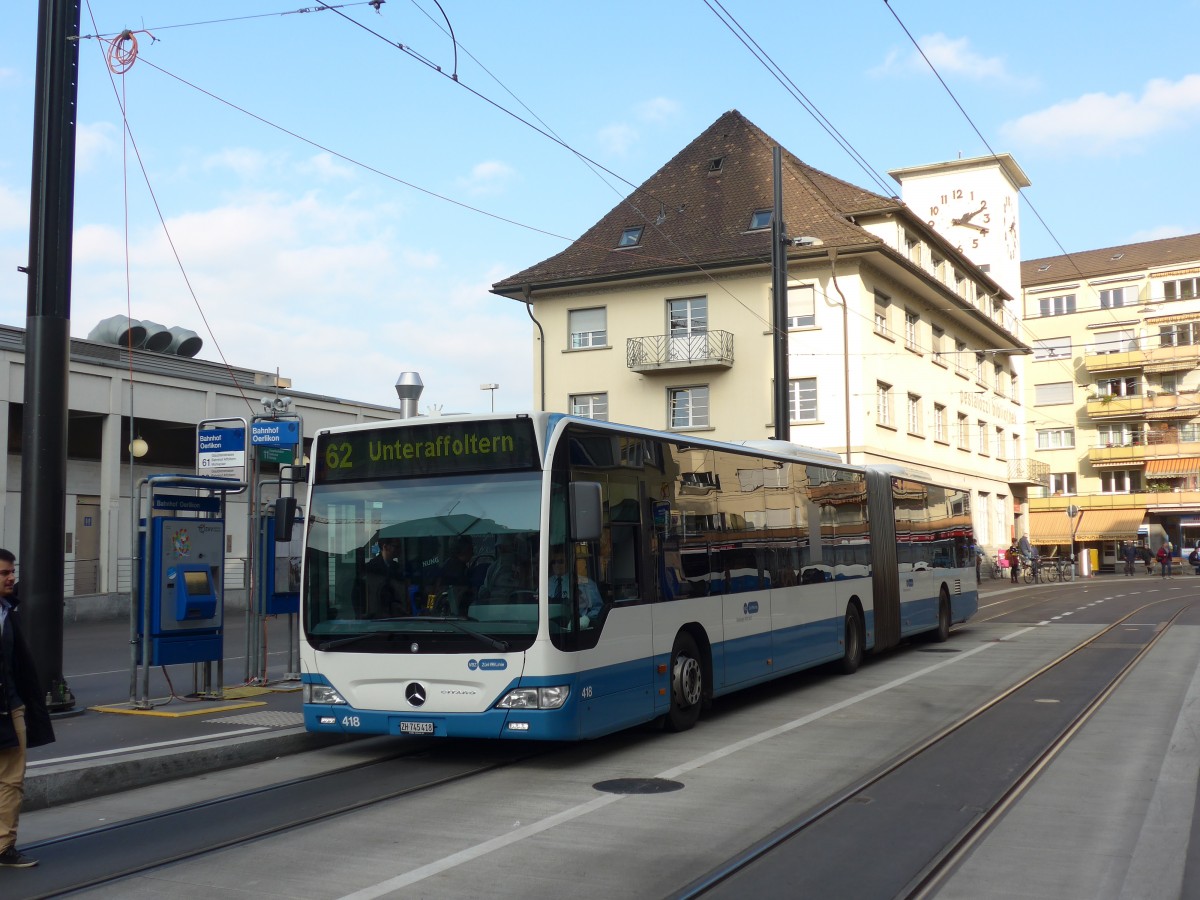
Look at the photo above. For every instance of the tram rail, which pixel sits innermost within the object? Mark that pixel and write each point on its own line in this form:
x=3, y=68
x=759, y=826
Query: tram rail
x=781, y=858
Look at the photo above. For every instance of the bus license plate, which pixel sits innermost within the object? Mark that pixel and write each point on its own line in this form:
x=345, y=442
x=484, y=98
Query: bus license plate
x=416, y=728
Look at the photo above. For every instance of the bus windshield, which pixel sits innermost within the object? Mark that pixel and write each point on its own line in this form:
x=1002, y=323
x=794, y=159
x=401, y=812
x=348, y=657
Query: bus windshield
x=437, y=564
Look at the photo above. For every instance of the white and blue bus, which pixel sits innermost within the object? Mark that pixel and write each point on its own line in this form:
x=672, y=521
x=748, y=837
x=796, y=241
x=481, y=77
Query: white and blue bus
x=547, y=577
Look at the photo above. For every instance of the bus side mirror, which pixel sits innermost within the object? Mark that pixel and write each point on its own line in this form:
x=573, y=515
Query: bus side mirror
x=285, y=518
x=586, y=508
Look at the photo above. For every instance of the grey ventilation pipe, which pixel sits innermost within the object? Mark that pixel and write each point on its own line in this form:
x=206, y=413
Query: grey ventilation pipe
x=184, y=342
x=408, y=389
x=120, y=330
x=158, y=339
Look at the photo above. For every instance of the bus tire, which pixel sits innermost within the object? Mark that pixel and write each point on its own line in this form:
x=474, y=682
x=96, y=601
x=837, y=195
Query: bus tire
x=942, y=633
x=687, y=684
x=854, y=641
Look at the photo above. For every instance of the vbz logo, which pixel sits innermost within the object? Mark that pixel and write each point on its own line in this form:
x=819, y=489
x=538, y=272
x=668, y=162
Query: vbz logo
x=750, y=608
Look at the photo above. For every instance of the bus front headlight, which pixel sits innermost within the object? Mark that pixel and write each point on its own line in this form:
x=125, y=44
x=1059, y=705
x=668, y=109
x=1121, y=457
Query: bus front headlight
x=535, y=698
x=321, y=693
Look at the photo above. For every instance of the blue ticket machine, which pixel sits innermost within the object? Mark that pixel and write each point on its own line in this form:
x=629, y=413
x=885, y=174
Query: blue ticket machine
x=185, y=588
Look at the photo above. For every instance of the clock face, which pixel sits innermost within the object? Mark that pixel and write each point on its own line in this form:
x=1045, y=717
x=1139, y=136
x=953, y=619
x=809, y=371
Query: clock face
x=967, y=218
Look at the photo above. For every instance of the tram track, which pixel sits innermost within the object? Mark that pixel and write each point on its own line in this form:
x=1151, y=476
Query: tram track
x=99, y=856
x=878, y=810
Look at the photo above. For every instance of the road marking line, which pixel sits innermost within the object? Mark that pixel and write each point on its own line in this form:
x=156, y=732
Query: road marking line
x=472, y=853
x=121, y=750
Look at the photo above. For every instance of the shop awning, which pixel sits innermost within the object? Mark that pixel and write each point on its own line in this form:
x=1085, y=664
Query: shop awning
x=1172, y=468
x=1109, y=524
x=1050, y=527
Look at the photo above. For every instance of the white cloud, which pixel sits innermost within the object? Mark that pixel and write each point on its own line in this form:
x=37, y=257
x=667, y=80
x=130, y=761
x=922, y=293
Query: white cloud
x=489, y=177
x=658, y=110
x=14, y=209
x=94, y=142
x=618, y=138
x=242, y=161
x=1102, y=123
x=328, y=167
x=323, y=290
x=951, y=57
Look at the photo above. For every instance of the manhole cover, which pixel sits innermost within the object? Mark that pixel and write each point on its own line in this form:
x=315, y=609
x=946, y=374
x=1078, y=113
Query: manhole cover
x=638, y=786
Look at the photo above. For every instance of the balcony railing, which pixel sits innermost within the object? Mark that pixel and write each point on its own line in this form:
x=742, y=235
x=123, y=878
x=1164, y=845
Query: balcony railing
x=1165, y=358
x=702, y=350
x=1155, y=405
x=1028, y=471
x=1165, y=499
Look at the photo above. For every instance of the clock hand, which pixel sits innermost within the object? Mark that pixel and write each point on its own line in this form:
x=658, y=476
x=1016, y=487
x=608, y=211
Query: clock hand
x=965, y=218
x=980, y=228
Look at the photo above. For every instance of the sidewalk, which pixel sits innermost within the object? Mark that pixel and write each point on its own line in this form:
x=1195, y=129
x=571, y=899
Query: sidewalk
x=101, y=752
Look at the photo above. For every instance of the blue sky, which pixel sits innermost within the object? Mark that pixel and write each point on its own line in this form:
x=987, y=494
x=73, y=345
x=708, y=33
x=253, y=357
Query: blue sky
x=331, y=258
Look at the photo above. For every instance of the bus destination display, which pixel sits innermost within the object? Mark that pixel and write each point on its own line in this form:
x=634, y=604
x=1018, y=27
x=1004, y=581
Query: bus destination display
x=445, y=448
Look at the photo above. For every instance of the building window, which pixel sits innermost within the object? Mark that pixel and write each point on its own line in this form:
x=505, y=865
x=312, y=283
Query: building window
x=914, y=414
x=912, y=248
x=883, y=403
x=964, y=432
x=882, y=302
x=589, y=328
x=939, y=268
x=687, y=322
x=910, y=329
x=1062, y=482
x=688, y=407
x=1114, y=298
x=1182, y=289
x=938, y=343
x=1057, y=306
x=981, y=369
x=1000, y=443
x=802, y=400
x=939, y=423
x=801, y=306
x=960, y=284
x=1118, y=435
x=1052, y=348
x=1181, y=334
x=590, y=406
x=1051, y=394
x=960, y=358
x=1055, y=438
x=998, y=379
x=1130, y=386
x=982, y=435
x=1012, y=388
x=760, y=219
x=1120, y=481
x=631, y=237
x=1114, y=342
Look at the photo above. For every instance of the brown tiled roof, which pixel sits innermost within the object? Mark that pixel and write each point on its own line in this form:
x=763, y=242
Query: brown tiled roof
x=1111, y=260
x=707, y=213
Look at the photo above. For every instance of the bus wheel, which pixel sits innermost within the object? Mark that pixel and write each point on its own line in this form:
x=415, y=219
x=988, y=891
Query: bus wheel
x=687, y=684
x=852, y=655
x=942, y=632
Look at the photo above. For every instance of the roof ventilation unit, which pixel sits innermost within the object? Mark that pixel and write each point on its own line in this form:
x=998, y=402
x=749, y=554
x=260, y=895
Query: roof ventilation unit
x=120, y=330
x=158, y=339
x=184, y=342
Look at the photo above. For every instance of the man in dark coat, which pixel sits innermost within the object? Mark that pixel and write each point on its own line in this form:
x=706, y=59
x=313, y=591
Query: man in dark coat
x=24, y=721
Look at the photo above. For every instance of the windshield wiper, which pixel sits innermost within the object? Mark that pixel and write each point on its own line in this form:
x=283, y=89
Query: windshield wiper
x=355, y=638
x=492, y=642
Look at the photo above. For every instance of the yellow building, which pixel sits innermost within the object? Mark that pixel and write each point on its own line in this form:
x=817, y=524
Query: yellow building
x=901, y=349
x=1113, y=390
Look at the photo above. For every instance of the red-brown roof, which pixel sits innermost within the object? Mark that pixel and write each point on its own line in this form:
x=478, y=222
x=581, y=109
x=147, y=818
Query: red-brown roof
x=1132, y=258
x=705, y=214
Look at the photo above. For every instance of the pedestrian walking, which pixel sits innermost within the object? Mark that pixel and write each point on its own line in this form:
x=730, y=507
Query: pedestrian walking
x=1129, y=554
x=1014, y=561
x=1148, y=559
x=24, y=721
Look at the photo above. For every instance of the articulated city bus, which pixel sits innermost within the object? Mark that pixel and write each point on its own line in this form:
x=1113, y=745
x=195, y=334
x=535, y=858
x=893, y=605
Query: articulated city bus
x=547, y=577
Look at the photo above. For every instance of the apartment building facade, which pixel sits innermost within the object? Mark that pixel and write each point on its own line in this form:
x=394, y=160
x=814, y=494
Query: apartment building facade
x=1114, y=392
x=900, y=348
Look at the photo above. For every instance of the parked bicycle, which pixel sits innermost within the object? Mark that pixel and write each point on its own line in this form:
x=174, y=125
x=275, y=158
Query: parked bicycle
x=1058, y=570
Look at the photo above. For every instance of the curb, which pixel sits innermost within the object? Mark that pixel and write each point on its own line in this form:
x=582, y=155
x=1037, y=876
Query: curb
x=71, y=782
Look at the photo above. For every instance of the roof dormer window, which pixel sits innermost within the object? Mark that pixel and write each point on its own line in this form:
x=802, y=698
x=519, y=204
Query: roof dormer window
x=715, y=164
x=631, y=237
x=760, y=219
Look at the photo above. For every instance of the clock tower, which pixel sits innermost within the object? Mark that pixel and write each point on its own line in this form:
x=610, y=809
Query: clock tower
x=973, y=204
